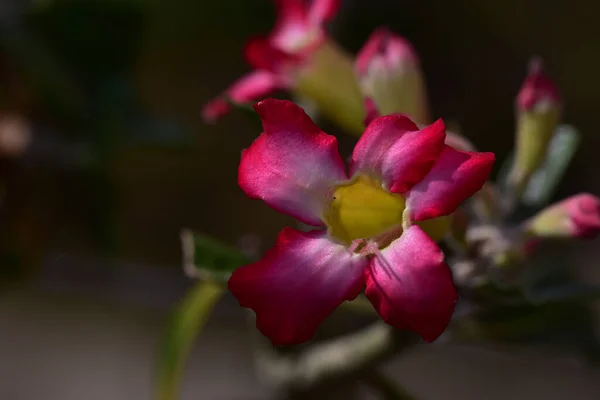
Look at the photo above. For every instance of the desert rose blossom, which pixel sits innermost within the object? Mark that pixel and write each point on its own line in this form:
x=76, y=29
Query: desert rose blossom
x=388, y=72
x=369, y=232
x=538, y=110
x=575, y=217
x=298, y=56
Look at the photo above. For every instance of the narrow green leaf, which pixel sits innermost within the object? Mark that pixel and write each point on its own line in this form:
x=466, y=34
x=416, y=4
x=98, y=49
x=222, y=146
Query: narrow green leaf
x=208, y=258
x=246, y=108
x=545, y=181
x=187, y=322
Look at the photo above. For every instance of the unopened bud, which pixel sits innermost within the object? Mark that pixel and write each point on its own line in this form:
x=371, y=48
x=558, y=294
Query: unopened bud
x=538, y=109
x=577, y=216
x=388, y=71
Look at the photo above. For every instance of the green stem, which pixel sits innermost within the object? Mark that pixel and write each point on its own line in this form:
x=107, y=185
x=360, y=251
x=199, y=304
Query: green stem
x=187, y=323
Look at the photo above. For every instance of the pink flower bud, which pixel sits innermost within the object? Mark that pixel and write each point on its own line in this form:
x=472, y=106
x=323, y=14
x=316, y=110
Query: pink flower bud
x=538, y=90
x=388, y=71
x=576, y=216
x=538, y=108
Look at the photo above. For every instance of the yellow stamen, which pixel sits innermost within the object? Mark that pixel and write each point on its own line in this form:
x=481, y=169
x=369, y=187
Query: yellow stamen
x=363, y=209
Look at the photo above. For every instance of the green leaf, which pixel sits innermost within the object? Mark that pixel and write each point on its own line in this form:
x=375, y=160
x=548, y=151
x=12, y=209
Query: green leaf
x=246, y=107
x=207, y=258
x=546, y=179
x=187, y=322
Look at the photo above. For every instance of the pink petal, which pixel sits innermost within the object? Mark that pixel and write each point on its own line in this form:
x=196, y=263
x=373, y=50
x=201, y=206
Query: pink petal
x=293, y=165
x=584, y=210
x=291, y=10
x=455, y=177
x=394, y=150
x=261, y=54
x=372, y=47
x=411, y=286
x=297, y=284
x=372, y=111
x=322, y=11
x=250, y=87
x=292, y=24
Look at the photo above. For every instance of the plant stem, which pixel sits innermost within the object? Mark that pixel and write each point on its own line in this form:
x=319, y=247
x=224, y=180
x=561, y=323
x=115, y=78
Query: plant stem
x=340, y=357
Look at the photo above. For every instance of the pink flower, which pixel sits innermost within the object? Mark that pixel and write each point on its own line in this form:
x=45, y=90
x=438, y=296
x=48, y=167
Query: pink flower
x=576, y=216
x=388, y=70
x=297, y=33
x=369, y=234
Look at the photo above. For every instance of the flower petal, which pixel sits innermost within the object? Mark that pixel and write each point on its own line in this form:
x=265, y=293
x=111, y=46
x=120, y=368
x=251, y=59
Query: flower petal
x=455, y=177
x=261, y=54
x=322, y=11
x=371, y=110
x=372, y=47
x=387, y=49
x=394, y=150
x=293, y=165
x=291, y=26
x=297, y=284
x=291, y=10
x=411, y=286
x=250, y=87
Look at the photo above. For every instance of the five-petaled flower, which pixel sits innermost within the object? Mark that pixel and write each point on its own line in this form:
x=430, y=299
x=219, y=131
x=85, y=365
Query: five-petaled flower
x=298, y=32
x=370, y=220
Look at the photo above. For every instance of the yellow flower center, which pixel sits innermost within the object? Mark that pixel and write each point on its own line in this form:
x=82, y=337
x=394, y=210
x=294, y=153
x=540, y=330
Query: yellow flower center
x=361, y=208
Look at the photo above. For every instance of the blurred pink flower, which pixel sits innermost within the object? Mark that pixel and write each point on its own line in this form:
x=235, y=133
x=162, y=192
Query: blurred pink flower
x=298, y=32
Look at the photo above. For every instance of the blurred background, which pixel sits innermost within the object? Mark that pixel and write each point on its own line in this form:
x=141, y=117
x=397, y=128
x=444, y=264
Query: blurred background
x=104, y=158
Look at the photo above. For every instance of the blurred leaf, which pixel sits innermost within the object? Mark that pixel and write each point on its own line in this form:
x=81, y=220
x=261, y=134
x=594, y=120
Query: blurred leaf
x=545, y=181
x=208, y=258
x=246, y=109
x=187, y=322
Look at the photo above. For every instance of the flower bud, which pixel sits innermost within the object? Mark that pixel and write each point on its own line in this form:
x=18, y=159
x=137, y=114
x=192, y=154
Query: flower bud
x=388, y=72
x=538, y=109
x=577, y=216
